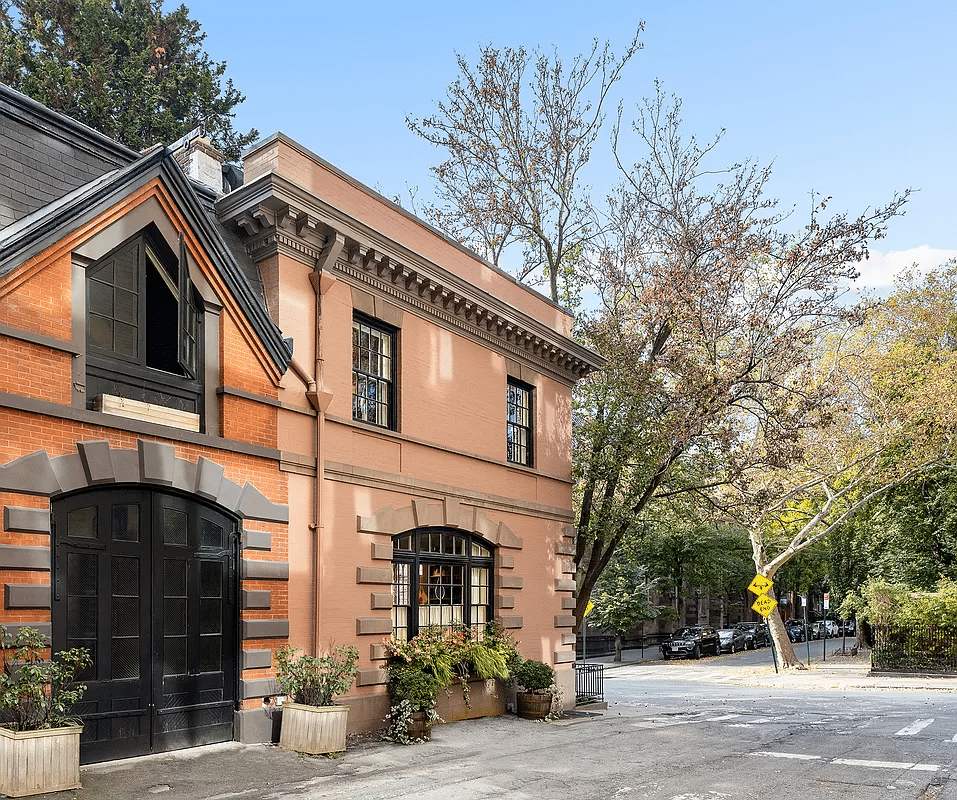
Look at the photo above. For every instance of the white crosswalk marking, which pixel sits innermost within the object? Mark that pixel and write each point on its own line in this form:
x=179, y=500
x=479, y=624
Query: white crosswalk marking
x=915, y=727
x=799, y=756
x=854, y=762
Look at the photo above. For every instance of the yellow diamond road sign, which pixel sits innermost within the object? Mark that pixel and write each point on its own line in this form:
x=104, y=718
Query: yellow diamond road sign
x=764, y=605
x=759, y=585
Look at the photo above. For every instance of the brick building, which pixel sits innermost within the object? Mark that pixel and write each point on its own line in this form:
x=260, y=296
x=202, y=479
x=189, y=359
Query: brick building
x=291, y=412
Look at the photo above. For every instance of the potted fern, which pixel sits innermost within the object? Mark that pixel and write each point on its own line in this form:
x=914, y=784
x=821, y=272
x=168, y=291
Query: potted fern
x=311, y=722
x=537, y=681
x=39, y=740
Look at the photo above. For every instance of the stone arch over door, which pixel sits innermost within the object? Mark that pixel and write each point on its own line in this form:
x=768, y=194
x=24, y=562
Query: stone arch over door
x=97, y=464
x=153, y=469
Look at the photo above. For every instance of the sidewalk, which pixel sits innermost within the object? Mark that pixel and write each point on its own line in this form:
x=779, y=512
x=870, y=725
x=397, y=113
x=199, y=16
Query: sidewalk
x=825, y=670
x=233, y=771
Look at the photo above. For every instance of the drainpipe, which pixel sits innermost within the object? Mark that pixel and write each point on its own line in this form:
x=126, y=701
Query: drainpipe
x=322, y=281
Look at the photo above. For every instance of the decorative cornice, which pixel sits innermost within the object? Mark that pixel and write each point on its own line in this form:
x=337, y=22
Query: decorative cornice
x=273, y=216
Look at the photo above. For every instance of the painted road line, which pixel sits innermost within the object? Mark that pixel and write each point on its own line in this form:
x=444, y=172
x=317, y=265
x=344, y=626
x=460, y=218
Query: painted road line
x=750, y=722
x=955, y=738
x=853, y=762
x=799, y=756
x=915, y=727
x=735, y=716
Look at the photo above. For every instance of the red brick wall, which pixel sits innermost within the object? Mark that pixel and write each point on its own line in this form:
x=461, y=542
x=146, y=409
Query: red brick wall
x=40, y=303
x=35, y=371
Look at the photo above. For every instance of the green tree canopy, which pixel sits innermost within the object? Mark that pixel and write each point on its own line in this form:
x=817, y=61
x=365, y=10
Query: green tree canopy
x=124, y=67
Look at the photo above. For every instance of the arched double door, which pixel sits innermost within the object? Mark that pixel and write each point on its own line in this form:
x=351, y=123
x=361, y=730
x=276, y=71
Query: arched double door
x=146, y=580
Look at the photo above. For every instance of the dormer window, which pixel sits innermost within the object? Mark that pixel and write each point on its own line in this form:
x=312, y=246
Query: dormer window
x=143, y=326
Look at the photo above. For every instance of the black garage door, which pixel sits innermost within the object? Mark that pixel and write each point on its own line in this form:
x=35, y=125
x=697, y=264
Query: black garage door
x=147, y=582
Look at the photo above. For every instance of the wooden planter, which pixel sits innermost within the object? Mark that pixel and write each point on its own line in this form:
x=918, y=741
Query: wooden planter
x=36, y=762
x=487, y=701
x=533, y=706
x=419, y=728
x=313, y=729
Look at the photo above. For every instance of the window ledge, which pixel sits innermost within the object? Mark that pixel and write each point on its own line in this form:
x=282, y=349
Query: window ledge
x=147, y=412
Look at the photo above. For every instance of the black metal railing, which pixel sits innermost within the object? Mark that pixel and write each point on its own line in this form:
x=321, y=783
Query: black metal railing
x=600, y=644
x=914, y=648
x=590, y=682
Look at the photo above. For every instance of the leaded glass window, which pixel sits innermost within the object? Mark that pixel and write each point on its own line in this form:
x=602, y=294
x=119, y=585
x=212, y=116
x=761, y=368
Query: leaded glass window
x=440, y=577
x=373, y=374
x=519, y=423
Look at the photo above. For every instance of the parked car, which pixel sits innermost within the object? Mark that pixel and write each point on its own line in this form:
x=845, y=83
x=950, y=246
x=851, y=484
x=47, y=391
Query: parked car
x=691, y=642
x=824, y=629
x=755, y=633
x=849, y=627
x=732, y=640
x=795, y=630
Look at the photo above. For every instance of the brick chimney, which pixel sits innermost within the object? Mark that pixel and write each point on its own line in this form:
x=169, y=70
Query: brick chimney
x=202, y=162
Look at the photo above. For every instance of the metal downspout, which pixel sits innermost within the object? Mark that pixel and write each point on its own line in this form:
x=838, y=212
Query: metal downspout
x=322, y=281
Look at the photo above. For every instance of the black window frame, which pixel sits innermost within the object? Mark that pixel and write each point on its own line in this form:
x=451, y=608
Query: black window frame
x=174, y=378
x=390, y=334
x=514, y=425
x=415, y=558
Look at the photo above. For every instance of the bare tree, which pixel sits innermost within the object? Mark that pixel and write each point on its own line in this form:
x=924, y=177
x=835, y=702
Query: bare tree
x=711, y=311
x=516, y=153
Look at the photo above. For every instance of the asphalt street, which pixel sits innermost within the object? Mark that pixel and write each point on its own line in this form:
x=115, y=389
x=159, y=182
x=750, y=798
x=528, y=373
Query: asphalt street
x=722, y=727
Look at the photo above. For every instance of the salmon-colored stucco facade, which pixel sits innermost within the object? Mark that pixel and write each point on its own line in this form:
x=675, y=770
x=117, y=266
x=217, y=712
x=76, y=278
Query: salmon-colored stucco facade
x=333, y=251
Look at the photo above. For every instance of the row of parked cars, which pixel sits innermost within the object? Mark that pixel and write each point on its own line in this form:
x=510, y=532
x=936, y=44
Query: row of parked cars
x=698, y=640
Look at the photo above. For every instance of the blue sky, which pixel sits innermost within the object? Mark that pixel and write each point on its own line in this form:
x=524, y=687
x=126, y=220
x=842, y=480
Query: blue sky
x=852, y=100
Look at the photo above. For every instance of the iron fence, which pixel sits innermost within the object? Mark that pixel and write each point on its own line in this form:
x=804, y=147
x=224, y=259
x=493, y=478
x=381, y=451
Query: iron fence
x=914, y=648
x=590, y=682
x=600, y=644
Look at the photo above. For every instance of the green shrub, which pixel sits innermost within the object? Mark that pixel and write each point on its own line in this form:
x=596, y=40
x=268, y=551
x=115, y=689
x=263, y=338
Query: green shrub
x=36, y=693
x=534, y=676
x=414, y=685
x=316, y=680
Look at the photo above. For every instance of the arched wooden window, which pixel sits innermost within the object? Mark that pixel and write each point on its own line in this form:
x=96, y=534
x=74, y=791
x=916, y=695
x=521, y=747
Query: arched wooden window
x=440, y=577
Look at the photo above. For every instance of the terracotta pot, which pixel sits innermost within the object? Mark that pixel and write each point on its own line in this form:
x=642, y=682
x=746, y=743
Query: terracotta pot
x=419, y=726
x=533, y=706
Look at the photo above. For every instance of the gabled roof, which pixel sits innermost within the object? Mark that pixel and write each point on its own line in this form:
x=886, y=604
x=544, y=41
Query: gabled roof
x=110, y=173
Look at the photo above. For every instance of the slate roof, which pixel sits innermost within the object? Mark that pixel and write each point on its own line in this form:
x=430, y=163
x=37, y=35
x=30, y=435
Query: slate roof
x=45, y=155
x=55, y=172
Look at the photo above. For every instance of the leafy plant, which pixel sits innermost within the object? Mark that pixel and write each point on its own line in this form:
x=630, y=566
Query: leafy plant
x=411, y=690
x=316, y=680
x=416, y=686
x=38, y=693
x=534, y=676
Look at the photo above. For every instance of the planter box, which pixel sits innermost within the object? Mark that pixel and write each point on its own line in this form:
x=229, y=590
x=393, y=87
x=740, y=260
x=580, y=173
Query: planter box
x=451, y=706
x=533, y=706
x=36, y=762
x=313, y=729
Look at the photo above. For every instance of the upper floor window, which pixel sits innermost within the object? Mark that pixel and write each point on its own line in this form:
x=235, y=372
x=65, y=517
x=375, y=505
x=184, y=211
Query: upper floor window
x=440, y=577
x=143, y=325
x=519, y=423
x=373, y=373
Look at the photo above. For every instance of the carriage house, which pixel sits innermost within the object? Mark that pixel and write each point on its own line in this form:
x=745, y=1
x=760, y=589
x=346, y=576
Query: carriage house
x=289, y=412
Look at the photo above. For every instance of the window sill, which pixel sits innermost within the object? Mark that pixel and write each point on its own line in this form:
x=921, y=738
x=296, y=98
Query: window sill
x=146, y=412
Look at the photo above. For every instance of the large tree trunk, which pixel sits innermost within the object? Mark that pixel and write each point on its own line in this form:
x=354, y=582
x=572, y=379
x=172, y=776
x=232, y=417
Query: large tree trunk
x=782, y=643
